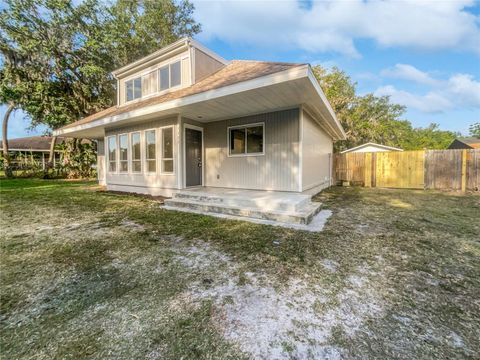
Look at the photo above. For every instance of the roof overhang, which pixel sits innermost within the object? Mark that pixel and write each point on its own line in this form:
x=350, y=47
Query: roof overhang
x=281, y=90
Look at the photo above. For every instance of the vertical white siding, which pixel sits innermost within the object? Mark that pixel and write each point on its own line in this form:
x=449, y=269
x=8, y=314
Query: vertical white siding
x=101, y=162
x=317, y=149
x=277, y=170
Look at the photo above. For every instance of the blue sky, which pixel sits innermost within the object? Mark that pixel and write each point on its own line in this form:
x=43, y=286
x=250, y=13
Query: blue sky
x=424, y=54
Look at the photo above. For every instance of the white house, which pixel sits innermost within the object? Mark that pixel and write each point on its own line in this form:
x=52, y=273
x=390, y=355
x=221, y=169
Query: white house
x=188, y=122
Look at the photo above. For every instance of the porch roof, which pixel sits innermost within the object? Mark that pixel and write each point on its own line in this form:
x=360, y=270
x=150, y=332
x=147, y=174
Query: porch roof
x=240, y=88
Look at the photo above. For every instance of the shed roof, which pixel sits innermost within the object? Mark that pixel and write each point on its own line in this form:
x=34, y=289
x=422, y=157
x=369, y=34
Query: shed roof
x=32, y=143
x=472, y=141
x=384, y=147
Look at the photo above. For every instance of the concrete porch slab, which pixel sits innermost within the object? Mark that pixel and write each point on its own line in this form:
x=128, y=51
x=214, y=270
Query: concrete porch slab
x=316, y=224
x=270, y=206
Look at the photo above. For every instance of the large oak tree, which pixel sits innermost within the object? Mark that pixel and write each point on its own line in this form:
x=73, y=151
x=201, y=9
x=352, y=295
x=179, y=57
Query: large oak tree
x=57, y=55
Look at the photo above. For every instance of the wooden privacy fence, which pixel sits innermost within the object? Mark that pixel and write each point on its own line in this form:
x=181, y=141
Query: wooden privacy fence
x=424, y=169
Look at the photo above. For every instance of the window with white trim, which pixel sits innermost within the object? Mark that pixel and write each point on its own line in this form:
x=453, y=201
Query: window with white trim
x=123, y=156
x=133, y=89
x=136, y=153
x=246, y=139
x=170, y=75
x=150, y=151
x=167, y=150
x=112, y=153
x=149, y=83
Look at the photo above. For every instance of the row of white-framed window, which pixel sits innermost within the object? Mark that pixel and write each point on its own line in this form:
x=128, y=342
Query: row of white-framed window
x=125, y=153
x=169, y=76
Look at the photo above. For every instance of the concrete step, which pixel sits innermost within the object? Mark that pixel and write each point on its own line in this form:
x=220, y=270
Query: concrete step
x=301, y=216
x=264, y=201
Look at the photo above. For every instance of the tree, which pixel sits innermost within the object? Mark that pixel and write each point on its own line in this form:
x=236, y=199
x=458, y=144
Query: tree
x=370, y=118
x=475, y=130
x=430, y=137
x=76, y=45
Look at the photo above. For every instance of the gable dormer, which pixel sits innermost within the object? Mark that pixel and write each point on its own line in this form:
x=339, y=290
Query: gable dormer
x=176, y=66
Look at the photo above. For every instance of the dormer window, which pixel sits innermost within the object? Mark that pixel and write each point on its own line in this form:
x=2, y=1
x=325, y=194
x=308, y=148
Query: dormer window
x=133, y=89
x=170, y=75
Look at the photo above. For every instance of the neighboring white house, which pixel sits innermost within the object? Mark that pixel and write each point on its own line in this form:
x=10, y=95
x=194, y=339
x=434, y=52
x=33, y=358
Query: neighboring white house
x=371, y=147
x=187, y=118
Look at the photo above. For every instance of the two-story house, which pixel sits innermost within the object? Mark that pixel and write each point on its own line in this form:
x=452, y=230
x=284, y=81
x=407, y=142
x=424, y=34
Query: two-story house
x=187, y=119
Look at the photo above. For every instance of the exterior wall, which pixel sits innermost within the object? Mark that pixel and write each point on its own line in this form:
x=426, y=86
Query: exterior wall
x=101, y=162
x=156, y=183
x=317, y=149
x=278, y=169
x=204, y=65
x=150, y=79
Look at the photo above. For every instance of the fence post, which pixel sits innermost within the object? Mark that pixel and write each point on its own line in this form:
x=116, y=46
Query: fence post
x=368, y=170
x=464, y=170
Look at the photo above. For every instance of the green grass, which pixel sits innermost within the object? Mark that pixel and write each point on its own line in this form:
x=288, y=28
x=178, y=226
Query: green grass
x=80, y=281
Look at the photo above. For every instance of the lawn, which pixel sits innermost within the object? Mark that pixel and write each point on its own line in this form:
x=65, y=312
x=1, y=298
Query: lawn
x=90, y=274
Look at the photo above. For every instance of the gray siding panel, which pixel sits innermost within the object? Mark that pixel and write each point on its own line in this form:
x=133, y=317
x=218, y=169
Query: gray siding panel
x=277, y=170
x=317, y=149
x=205, y=65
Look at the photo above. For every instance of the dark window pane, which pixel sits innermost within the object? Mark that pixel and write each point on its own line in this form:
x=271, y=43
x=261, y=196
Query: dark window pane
x=136, y=146
x=167, y=143
x=151, y=165
x=255, y=139
x=137, y=84
x=176, y=73
x=112, y=148
x=164, y=78
x=150, y=142
x=129, y=90
x=123, y=139
x=136, y=166
x=112, y=166
x=237, y=141
x=168, y=165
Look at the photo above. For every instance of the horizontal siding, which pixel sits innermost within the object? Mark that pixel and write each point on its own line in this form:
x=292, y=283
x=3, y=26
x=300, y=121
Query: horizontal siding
x=317, y=149
x=144, y=180
x=277, y=170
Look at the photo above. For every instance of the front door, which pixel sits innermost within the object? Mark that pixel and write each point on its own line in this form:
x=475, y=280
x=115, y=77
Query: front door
x=193, y=157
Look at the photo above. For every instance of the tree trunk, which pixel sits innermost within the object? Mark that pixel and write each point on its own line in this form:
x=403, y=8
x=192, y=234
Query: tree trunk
x=6, y=156
x=51, y=155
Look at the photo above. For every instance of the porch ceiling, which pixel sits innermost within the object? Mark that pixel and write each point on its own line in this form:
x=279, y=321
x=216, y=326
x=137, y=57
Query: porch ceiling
x=269, y=93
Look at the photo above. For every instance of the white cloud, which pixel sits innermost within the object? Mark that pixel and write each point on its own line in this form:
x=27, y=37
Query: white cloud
x=465, y=89
x=409, y=72
x=335, y=25
x=431, y=102
x=457, y=92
